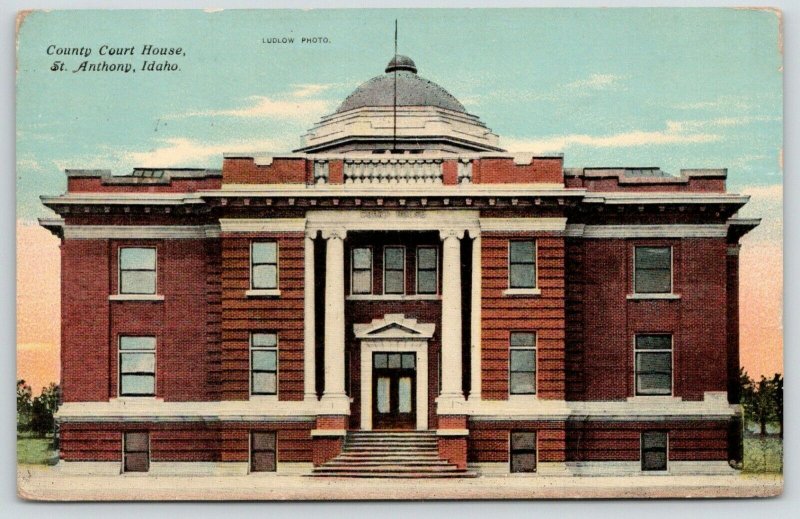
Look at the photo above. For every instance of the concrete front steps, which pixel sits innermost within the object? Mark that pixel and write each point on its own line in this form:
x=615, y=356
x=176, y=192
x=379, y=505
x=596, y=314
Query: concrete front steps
x=390, y=454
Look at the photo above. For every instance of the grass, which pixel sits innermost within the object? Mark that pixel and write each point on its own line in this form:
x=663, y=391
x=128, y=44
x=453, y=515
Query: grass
x=763, y=455
x=34, y=450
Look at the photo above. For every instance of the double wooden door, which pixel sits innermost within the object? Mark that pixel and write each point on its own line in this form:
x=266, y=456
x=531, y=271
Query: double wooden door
x=394, y=395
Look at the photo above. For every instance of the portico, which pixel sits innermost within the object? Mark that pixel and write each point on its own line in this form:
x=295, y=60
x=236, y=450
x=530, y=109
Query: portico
x=334, y=228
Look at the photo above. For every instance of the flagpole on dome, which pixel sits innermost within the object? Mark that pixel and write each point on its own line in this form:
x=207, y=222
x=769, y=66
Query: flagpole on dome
x=394, y=112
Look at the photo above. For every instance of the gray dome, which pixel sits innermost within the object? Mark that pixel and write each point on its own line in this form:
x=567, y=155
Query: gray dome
x=412, y=90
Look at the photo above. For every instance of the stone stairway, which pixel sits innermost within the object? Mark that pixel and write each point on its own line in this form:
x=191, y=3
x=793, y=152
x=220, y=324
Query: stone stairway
x=390, y=454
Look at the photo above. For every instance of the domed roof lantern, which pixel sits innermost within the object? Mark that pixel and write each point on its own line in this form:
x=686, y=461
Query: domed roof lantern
x=400, y=62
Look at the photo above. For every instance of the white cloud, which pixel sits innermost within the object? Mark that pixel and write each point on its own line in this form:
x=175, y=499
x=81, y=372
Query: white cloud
x=181, y=151
x=673, y=134
x=308, y=90
x=596, y=82
x=268, y=108
x=723, y=122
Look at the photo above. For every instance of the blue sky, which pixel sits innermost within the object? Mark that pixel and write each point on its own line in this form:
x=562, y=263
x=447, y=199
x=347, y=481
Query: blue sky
x=675, y=88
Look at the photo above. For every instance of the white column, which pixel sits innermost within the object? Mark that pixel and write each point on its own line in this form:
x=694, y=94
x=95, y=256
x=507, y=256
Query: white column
x=475, y=352
x=334, y=393
x=451, y=318
x=309, y=321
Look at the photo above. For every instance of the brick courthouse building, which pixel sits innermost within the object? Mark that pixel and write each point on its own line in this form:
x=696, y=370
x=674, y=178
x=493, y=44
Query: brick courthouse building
x=399, y=296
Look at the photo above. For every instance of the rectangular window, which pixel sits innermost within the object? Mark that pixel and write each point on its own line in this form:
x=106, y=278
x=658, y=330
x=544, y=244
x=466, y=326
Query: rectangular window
x=137, y=366
x=136, y=446
x=654, y=450
x=653, y=364
x=361, y=270
x=652, y=270
x=394, y=270
x=523, y=451
x=263, y=363
x=137, y=270
x=264, y=265
x=522, y=363
x=427, y=270
x=522, y=264
x=262, y=452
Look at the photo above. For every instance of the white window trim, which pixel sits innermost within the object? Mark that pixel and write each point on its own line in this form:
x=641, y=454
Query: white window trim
x=535, y=349
x=371, y=270
x=655, y=295
x=119, y=368
x=665, y=470
x=671, y=366
x=403, y=248
x=263, y=396
x=124, y=296
x=416, y=273
x=252, y=292
x=531, y=291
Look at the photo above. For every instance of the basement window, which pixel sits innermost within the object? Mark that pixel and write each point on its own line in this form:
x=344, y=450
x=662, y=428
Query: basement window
x=262, y=452
x=654, y=450
x=136, y=446
x=523, y=451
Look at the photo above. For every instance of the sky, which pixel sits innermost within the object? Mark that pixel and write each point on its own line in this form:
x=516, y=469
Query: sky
x=675, y=88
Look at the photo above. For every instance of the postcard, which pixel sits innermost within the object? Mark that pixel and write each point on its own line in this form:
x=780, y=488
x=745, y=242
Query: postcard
x=399, y=254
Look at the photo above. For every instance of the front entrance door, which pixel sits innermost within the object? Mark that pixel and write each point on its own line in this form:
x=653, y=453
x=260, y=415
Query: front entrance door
x=394, y=395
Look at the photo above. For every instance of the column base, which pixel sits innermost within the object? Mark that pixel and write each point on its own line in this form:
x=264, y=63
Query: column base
x=334, y=404
x=451, y=403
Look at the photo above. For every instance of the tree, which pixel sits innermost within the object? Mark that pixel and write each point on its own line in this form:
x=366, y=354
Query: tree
x=759, y=404
x=43, y=408
x=777, y=389
x=24, y=405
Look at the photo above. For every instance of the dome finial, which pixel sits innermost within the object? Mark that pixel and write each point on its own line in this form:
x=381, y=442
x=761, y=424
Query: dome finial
x=401, y=62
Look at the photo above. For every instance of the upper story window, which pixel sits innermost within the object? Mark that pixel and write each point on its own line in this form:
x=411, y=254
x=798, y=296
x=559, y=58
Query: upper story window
x=263, y=363
x=652, y=273
x=653, y=364
x=427, y=270
x=394, y=270
x=361, y=270
x=264, y=265
x=137, y=366
x=654, y=445
x=522, y=264
x=137, y=270
x=522, y=363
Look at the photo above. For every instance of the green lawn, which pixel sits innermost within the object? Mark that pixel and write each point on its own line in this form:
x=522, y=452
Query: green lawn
x=763, y=454
x=35, y=451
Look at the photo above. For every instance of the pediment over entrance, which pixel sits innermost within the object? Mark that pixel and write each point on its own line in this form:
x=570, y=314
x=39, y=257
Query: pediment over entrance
x=394, y=326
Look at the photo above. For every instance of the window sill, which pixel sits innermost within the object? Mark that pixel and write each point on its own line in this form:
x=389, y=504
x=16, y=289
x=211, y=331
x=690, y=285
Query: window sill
x=136, y=297
x=263, y=398
x=272, y=292
x=654, y=398
x=643, y=297
x=393, y=297
x=124, y=400
x=518, y=292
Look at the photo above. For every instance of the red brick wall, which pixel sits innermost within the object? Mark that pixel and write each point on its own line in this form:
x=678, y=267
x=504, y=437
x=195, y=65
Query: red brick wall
x=504, y=171
x=176, y=185
x=598, y=441
x=453, y=450
x=85, y=339
x=179, y=322
x=733, y=327
x=543, y=314
x=242, y=315
x=184, y=442
x=281, y=171
x=602, y=329
x=605, y=184
x=489, y=441
x=620, y=441
x=91, y=324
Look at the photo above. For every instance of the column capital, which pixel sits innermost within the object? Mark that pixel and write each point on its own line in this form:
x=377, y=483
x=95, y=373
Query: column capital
x=312, y=234
x=451, y=232
x=340, y=233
